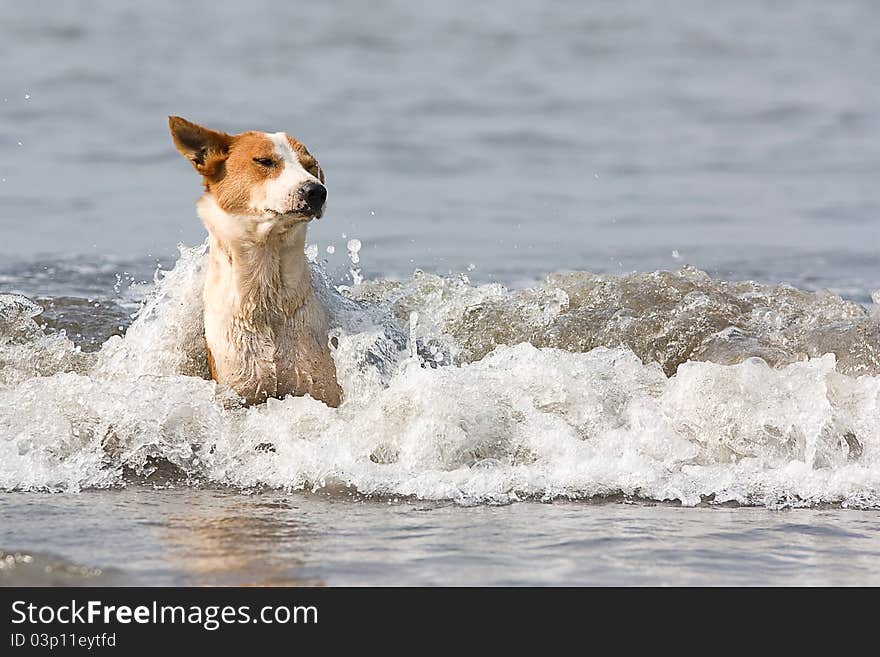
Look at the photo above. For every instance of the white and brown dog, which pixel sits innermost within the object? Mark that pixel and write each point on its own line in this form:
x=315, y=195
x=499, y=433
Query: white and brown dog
x=265, y=331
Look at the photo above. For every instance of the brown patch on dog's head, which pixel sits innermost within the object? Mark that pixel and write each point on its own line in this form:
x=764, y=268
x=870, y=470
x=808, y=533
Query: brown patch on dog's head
x=250, y=162
x=306, y=159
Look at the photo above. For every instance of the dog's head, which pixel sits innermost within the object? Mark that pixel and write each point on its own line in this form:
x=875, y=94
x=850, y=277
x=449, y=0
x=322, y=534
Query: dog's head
x=264, y=176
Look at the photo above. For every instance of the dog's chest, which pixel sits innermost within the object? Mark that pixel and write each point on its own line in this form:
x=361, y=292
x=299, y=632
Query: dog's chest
x=270, y=355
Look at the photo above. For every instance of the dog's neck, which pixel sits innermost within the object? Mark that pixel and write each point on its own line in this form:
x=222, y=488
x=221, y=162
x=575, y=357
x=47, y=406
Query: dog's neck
x=262, y=265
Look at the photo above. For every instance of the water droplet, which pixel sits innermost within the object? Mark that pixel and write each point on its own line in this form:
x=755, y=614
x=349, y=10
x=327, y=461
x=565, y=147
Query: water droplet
x=676, y=254
x=354, y=246
x=27, y=96
x=331, y=249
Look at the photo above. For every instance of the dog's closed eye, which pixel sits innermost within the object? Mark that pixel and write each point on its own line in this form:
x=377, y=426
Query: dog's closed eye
x=267, y=162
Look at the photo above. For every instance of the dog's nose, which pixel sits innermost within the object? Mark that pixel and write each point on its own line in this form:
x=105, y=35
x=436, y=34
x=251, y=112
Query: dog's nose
x=314, y=194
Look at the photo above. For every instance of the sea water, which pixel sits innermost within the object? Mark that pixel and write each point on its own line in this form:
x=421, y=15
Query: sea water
x=602, y=281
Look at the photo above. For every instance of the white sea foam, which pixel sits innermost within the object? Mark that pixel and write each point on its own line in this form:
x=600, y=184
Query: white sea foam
x=583, y=386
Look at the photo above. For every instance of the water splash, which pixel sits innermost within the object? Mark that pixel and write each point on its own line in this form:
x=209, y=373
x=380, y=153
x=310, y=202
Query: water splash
x=662, y=385
x=354, y=248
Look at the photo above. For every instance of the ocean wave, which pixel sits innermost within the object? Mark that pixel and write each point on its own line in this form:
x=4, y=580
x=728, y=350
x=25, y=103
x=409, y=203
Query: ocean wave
x=663, y=385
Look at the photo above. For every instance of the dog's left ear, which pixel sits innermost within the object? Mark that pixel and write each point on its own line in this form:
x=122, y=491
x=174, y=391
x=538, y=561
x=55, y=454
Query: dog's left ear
x=203, y=147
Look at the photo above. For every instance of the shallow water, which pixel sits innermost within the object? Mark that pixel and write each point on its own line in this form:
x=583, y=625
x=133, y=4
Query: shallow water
x=211, y=537
x=522, y=319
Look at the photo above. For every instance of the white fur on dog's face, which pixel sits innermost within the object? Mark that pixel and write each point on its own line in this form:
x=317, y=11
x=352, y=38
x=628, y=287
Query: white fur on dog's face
x=279, y=195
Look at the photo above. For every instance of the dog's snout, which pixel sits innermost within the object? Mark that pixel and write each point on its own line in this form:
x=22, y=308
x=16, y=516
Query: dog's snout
x=314, y=194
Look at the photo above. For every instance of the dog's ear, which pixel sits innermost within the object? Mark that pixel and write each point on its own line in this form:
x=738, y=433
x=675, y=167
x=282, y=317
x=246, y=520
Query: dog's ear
x=205, y=148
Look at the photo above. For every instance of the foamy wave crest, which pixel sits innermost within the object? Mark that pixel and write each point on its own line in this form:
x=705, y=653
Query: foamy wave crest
x=666, y=385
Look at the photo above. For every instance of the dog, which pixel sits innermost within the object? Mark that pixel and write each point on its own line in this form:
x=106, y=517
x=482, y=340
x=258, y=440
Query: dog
x=266, y=333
